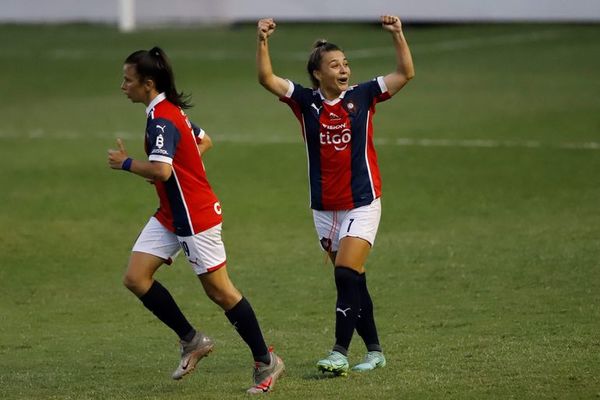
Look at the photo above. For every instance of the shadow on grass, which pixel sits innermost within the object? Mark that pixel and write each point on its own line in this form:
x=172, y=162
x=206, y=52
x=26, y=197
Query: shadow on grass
x=319, y=376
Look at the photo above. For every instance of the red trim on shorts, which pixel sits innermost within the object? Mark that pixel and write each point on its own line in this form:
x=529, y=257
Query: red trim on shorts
x=216, y=267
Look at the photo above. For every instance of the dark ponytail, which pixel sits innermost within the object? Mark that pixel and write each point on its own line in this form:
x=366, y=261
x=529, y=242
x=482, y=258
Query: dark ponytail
x=314, y=60
x=154, y=64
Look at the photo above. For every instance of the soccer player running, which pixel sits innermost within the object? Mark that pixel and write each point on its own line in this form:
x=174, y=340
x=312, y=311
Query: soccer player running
x=345, y=184
x=188, y=218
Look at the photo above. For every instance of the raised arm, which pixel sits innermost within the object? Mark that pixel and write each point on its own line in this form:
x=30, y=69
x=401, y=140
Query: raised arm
x=405, y=70
x=274, y=84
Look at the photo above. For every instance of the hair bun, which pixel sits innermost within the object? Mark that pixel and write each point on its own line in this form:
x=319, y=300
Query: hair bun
x=319, y=43
x=155, y=51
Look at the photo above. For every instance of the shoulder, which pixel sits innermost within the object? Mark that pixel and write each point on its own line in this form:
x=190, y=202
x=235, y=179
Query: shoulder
x=301, y=94
x=375, y=83
x=160, y=126
x=373, y=89
x=297, y=89
x=167, y=110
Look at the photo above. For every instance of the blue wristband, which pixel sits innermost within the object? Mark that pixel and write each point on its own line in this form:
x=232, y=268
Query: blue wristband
x=127, y=164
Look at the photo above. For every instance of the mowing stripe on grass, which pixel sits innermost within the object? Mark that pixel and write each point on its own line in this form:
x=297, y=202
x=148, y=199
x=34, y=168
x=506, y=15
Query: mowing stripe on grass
x=287, y=139
x=462, y=44
x=371, y=52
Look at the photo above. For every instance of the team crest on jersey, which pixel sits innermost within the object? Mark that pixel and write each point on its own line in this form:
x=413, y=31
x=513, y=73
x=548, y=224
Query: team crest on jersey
x=350, y=107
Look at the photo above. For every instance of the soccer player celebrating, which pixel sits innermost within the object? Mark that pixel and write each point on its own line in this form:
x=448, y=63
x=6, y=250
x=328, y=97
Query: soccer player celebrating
x=345, y=184
x=188, y=218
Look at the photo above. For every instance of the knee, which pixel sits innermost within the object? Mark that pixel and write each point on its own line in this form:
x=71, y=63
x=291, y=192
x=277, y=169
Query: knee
x=346, y=275
x=128, y=281
x=347, y=283
x=135, y=284
x=224, y=298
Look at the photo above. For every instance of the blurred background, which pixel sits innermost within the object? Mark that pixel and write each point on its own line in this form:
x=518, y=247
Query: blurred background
x=131, y=13
x=486, y=270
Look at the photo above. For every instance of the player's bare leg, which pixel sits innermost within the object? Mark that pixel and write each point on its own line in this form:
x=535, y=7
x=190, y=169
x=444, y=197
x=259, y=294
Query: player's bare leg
x=219, y=288
x=139, y=279
x=352, y=253
x=139, y=275
x=268, y=366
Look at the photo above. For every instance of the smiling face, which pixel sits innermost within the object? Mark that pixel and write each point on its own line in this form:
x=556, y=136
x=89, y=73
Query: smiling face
x=333, y=74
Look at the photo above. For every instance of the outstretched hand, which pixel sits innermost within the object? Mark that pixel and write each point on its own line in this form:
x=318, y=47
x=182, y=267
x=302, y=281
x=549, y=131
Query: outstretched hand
x=266, y=27
x=116, y=157
x=391, y=23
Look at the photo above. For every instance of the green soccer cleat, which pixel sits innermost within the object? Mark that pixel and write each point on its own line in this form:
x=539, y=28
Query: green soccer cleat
x=336, y=362
x=373, y=359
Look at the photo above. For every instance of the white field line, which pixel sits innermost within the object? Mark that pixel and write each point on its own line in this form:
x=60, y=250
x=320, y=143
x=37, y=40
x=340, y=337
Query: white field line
x=295, y=139
x=416, y=48
x=407, y=142
x=462, y=44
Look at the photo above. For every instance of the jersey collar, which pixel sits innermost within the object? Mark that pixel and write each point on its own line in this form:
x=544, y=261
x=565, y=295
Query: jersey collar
x=154, y=102
x=331, y=102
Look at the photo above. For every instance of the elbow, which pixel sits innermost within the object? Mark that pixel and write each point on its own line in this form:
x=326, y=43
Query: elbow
x=265, y=79
x=162, y=172
x=206, y=142
x=408, y=74
x=264, y=82
x=163, y=177
x=405, y=78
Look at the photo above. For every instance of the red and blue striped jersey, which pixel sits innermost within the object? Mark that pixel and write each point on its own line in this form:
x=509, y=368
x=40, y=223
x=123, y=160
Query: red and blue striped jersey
x=188, y=204
x=338, y=134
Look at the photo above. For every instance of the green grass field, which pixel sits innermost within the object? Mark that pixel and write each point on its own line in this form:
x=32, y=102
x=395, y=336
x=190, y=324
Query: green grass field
x=485, y=273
